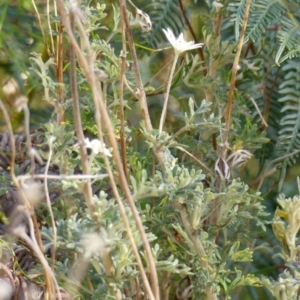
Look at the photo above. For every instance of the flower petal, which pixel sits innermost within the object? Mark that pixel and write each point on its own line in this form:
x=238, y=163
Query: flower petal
x=179, y=44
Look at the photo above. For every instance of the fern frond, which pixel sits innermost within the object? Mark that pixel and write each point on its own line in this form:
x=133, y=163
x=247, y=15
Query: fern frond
x=289, y=37
x=290, y=55
x=289, y=134
x=237, y=9
x=163, y=14
x=264, y=14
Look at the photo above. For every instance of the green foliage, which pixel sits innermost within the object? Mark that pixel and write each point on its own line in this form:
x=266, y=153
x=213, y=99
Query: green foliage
x=192, y=190
x=286, y=225
x=265, y=14
x=19, y=36
x=288, y=142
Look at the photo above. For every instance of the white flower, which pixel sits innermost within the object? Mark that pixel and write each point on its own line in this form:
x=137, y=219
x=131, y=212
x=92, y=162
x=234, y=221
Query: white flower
x=97, y=146
x=179, y=44
x=217, y=5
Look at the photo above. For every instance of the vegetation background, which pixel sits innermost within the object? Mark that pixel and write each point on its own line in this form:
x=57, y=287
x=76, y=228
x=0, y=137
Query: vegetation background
x=137, y=165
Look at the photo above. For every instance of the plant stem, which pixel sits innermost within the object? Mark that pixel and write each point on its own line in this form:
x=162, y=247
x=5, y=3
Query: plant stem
x=53, y=254
x=59, y=75
x=233, y=78
x=140, y=92
x=87, y=189
x=166, y=94
x=41, y=27
x=121, y=100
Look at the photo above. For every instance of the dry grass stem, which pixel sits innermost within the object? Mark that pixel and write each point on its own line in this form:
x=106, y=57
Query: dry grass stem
x=53, y=254
x=265, y=124
x=87, y=189
x=50, y=28
x=40, y=24
x=166, y=94
x=121, y=100
x=233, y=78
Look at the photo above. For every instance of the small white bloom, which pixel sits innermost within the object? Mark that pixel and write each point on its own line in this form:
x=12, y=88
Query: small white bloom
x=97, y=146
x=217, y=5
x=179, y=44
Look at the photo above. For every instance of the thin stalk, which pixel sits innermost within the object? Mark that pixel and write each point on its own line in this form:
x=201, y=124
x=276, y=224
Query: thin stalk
x=28, y=138
x=166, y=94
x=49, y=27
x=233, y=78
x=59, y=75
x=140, y=92
x=217, y=25
x=62, y=177
x=87, y=189
x=121, y=101
x=197, y=160
x=263, y=121
x=41, y=26
x=165, y=284
x=53, y=254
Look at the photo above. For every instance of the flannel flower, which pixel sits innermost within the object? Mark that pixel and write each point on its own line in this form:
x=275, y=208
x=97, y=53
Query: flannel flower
x=179, y=44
